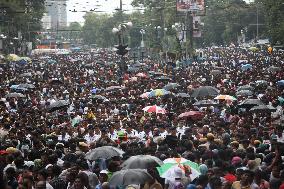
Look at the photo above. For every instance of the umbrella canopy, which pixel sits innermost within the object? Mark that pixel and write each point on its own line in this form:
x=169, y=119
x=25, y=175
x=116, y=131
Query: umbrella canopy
x=141, y=162
x=15, y=95
x=183, y=95
x=246, y=67
x=192, y=114
x=171, y=86
x=156, y=109
x=249, y=103
x=26, y=86
x=168, y=169
x=55, y=81
x=29, y=74
x=205, y=91
x=145, y=95
x=158, y=92
x=99, y=97
x=13, y=57
x=273, y=69
x=262, y=109
x=225, y=97
x=280, y=83
x=104, y=152
x=58, y=105
x=141, y=75
x=113, y=88
x=245, y=87
x=261, y=82
x=216, y=72
x=163, y=78
x=254, y=49
x=129, y=176
x=244, y=93
x=205, y=103
x=51, y=61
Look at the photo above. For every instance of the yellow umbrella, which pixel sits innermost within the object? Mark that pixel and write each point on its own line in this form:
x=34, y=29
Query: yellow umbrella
x=254, y=49
x=225, y=97
x=13, y=57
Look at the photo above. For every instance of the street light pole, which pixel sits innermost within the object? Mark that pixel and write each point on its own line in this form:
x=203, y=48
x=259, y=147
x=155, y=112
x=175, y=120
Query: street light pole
x=121, y=47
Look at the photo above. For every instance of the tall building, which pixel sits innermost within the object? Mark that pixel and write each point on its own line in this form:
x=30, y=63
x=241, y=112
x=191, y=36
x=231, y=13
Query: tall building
x=56, y=10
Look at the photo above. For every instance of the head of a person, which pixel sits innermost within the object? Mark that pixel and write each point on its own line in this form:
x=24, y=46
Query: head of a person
x=42, y=175
x=40, y=185
x=215, y=182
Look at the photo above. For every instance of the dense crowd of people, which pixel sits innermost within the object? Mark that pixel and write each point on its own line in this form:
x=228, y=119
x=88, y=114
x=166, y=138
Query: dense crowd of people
x=57, y=109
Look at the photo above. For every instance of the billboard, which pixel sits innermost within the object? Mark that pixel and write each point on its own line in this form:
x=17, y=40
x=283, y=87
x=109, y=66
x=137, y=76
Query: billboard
x=197, y=6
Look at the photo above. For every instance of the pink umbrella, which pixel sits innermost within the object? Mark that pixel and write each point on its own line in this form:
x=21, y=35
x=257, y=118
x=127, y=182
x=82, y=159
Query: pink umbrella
x=155, y=108
x=145, y=95
x=141, y=75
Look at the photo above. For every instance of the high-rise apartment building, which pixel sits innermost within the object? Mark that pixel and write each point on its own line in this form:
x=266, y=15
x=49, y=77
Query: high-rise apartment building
x=56, y=10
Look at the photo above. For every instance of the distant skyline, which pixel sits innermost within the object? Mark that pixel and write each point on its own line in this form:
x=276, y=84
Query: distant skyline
x=107, y=6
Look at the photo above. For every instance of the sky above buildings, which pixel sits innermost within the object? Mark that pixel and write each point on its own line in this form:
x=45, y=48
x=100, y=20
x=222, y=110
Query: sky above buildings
x=107, y=6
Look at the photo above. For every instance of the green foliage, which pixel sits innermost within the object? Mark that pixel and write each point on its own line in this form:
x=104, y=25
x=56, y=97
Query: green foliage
x=22, y=15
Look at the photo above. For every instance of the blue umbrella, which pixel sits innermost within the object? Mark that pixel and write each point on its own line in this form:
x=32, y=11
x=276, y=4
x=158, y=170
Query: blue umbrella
x=280, y=83
x=94, y=90
x=246, y=67
x=51, y=61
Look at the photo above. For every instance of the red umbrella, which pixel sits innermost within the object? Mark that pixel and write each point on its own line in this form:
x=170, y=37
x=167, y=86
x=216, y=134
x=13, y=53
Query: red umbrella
x=155, y=108
x=192, y=114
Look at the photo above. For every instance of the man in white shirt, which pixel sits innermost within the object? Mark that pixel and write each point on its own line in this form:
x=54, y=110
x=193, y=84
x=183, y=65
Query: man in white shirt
x=91, y=137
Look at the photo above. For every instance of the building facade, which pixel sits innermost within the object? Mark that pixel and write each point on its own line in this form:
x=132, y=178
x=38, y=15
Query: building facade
x=56, y=13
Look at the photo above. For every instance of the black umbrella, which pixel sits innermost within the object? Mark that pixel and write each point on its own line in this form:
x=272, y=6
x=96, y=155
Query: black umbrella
x=129, y=176
x=105, y=152
x=56, y=81
x=58, y=105
x=245, y=87
x=273, y=69
x=244, y=93
x=15, y=95
x=205, y=91
x=249, y=103
x=26, y=86
x=171, y=86
x=163, y=78
x=183, y=95
x=99, y=97
x=29, y=74
x=263, y=109
x=141, y=162
x=205, y=103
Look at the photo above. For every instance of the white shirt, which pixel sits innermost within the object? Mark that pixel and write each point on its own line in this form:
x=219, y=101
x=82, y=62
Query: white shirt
x=90, y=139
x=164, y=134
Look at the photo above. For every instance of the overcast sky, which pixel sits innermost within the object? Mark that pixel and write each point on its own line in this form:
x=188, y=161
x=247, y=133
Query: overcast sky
x=106, y=5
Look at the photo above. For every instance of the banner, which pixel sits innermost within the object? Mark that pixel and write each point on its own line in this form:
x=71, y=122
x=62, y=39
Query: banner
x=197, y=6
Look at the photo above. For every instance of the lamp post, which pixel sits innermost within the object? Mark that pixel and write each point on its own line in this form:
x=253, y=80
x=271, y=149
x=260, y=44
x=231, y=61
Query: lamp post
x=142, y=31
x=122, y=48
x=180, y=29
